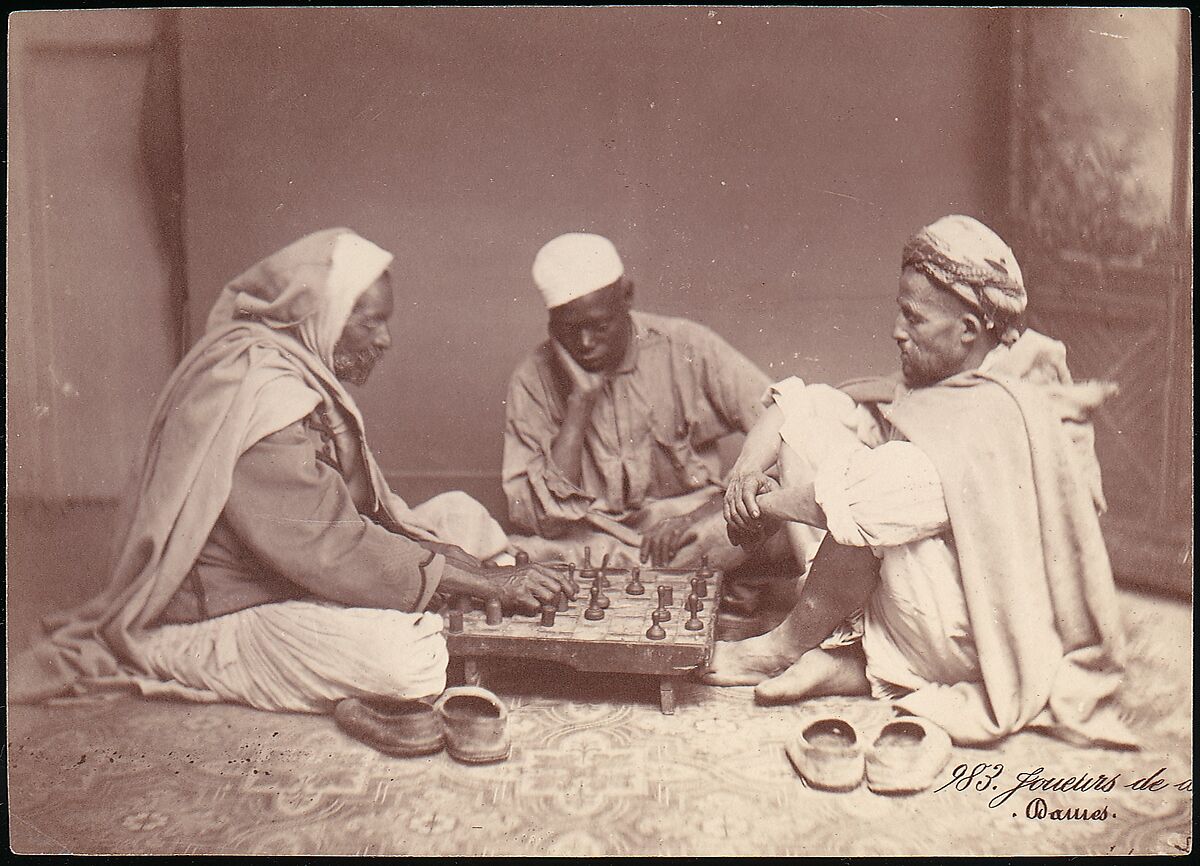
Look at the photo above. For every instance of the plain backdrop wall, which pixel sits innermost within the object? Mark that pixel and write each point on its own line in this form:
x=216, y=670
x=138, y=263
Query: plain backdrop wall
x=92, y=313
x=758, y=169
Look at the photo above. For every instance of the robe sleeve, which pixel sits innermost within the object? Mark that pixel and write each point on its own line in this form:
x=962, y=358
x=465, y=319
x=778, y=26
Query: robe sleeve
x=296, y=514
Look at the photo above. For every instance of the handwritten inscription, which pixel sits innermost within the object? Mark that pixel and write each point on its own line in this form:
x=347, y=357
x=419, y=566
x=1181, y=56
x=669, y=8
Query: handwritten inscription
x=991, y=778
x=1038, y=809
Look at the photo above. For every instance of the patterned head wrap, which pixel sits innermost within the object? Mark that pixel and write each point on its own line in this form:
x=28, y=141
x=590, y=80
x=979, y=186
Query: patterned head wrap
x=965, y=257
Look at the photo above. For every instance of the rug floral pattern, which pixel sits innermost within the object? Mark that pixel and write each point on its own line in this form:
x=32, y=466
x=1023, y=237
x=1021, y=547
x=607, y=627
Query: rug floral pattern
x=596, y=770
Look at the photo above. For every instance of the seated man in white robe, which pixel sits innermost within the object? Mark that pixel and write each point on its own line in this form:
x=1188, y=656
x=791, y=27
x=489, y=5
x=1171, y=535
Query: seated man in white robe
x=962, y=509
x=262, y=558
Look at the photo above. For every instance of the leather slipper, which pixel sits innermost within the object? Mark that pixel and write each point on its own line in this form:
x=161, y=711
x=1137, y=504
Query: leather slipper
x=394, y=726
x=906, y=755
x=475, y=725
x=828, y=754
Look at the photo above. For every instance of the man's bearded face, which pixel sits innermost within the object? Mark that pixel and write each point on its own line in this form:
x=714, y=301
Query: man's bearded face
x=365, y=337
x=928, y=331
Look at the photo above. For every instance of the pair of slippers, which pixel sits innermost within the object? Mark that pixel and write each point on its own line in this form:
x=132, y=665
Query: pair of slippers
x=902, y=756
x=469, y=722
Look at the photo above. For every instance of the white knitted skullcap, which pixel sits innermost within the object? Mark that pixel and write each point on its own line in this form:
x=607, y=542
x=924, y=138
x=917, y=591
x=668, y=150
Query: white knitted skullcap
x=574, y=265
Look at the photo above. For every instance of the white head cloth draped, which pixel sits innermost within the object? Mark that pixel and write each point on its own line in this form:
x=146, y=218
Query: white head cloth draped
x=965, y=257
x=265, y=361
x=309, y=286
x=574, y=265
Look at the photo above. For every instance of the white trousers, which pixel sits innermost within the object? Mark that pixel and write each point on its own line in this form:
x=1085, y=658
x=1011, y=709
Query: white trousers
x=303, y=656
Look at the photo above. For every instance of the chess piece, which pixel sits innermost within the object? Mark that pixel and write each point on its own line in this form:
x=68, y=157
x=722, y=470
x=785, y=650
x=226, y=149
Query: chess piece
x=704, y=572
x=587, y=571
x=635, y=586
x=697, y=584
x=548, y=611
x=455, y=617
x=656, y=631
x=601, y=581
x=522, y=558
x=666, y=595
x=561, y=599
x=664, y=599
x=693, y=606
x=593, y=610
x=492, y=612
x=602, y=573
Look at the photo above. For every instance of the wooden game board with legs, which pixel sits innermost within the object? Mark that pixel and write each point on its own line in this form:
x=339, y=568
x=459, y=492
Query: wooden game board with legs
x=613, y=640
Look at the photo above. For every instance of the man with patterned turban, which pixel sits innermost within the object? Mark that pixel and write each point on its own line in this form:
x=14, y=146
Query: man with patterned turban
x=261, y=557
x=961, y=502
x=613, y=424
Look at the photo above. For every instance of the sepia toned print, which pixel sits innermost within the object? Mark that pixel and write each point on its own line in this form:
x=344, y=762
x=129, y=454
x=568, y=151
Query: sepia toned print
x=620, y=431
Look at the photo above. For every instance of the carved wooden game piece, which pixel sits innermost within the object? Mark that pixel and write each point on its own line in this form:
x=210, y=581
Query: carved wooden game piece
x=594, y=611
x=548, y=611
x=561, y=601
x=661, y=614
x=493, y=612
x=602, y=575
x=697, y=585
x=587, y=571
x=602, y=598
x=693, y=606
x=666, y=595
x=635, y=585
x=656, y=631
x=704, y=572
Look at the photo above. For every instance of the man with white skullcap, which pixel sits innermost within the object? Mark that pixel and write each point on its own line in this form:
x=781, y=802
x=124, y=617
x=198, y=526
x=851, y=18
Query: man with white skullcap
x=961, y=501
x=613, y=423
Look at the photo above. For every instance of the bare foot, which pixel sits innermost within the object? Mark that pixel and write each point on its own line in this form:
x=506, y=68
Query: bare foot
x=818, y=673
x=748, y=662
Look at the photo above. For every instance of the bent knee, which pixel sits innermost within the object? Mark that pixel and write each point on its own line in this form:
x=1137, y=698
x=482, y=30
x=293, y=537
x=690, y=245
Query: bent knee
x=406, y=661
x=459, y=502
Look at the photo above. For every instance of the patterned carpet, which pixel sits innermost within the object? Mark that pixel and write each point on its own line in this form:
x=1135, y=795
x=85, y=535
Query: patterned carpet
x=596, y=770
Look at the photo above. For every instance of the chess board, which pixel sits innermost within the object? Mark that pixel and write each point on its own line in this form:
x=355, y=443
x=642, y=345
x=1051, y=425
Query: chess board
x=616, y=643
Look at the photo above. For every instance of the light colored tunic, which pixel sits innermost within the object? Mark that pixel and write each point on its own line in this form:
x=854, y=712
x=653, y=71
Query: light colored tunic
x=654, y=433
